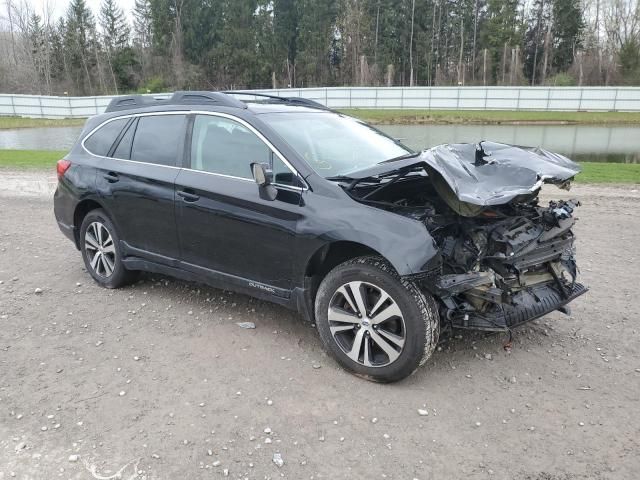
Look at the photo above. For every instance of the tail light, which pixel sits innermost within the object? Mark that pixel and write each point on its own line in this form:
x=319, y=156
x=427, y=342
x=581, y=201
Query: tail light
x=61, y=167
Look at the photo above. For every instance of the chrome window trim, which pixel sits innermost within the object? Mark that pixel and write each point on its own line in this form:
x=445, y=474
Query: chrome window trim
x=304, y=187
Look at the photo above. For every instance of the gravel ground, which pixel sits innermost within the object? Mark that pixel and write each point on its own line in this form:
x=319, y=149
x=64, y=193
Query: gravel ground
x=158, y=381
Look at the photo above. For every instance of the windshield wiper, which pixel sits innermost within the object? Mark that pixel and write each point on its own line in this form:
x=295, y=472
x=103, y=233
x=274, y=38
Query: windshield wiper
x=401, y=157
x=338, y=178
x=385, y=172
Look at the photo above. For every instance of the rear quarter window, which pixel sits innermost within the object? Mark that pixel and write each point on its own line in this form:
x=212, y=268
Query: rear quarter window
x=101, y=141
x=123, y=150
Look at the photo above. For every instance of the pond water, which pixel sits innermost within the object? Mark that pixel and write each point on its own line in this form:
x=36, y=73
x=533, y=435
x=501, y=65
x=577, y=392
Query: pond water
x=47, y=138
x=579, y=142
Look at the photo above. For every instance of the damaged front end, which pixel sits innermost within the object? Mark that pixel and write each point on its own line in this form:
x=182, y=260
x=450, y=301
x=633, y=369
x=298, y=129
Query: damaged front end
x=505, y=258
x=506, y=266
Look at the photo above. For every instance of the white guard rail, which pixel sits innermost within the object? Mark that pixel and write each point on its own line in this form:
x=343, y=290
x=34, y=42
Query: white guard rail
x=600, y=99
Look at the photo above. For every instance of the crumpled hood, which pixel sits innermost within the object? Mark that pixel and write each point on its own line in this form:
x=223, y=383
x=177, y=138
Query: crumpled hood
x=494, y=173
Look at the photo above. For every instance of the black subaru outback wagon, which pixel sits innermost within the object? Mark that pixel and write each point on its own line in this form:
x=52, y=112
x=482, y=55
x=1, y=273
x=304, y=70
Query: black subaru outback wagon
x=288, y=201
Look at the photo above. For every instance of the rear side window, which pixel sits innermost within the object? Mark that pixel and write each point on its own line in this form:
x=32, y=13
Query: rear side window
x=101, y=141
x=159, y=139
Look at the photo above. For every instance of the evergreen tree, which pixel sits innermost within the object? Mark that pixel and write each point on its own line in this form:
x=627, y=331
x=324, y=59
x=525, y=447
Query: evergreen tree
x=202, y=24
x=142, y=23
x=215, y=44
x=163, y=24
x=59, y=67
x=37, y=41
x=568, y=26
x=535, y=40
x=629, y=58
x=315, y=42
x=235, y=55
x=393, y=20
x=115, y=29
x=501, y=34
x=285, y=32
x=78, y=41
x=120, y=58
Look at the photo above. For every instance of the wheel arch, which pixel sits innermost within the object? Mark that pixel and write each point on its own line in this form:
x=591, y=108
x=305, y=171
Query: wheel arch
x=333, y=254
x=321, y=262
x=405, y=245
x=81, y=210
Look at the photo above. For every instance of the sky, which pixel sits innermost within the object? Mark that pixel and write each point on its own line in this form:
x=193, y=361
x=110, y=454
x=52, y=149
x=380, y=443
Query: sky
x=59, y=7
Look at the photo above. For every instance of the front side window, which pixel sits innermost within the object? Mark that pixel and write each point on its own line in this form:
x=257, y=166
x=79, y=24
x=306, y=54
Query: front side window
x=159, y=139
x=101, y=141
x=333, y=144
x=226, y=147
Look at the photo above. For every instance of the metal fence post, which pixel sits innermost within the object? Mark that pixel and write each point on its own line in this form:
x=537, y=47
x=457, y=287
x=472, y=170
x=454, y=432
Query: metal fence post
x=548, y=97
x=580, y=102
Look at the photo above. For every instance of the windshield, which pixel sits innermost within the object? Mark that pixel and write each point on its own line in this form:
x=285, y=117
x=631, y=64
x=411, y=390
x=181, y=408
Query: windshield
x=332, y=144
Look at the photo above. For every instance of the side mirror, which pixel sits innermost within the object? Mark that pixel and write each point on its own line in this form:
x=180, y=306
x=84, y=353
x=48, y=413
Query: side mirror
x=262, y=174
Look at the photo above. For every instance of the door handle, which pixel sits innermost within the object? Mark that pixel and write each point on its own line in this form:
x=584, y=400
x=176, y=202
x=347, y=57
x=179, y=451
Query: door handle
x=111, y=177
x=187, y=196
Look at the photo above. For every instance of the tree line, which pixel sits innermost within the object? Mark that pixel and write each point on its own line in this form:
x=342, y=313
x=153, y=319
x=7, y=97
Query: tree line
x=223, y=44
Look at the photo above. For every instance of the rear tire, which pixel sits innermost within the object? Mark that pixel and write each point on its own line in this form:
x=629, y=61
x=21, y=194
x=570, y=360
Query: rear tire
x=101, y=252
x=374, y=323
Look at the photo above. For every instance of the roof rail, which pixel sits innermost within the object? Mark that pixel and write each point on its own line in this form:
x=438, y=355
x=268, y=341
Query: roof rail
x=293, y=100
x=130, y=102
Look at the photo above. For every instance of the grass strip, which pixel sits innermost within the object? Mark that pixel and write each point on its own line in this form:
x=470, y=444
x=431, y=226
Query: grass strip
x=19, y=159
x=22, y=122
x=591, y=172
x=491, y=117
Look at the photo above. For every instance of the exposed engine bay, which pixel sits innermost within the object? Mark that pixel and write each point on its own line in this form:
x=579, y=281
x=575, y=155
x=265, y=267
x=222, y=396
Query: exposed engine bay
x=505, y=257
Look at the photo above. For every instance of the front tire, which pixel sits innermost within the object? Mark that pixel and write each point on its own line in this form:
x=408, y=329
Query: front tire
x=101, y=252
x=374, y=323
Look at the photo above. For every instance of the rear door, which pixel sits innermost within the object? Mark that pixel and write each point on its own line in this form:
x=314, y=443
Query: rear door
x=136, y=181
x=224, y=225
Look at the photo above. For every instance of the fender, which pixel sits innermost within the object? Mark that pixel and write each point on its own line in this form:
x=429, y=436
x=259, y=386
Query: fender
x=410, y=252
x=404, y=242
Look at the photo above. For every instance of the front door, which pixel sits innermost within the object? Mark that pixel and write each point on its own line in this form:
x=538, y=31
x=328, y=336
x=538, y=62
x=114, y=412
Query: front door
x=224, y=225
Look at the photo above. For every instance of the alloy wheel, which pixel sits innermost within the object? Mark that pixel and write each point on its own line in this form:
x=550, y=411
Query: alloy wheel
x=100, y=249
x=367, y=324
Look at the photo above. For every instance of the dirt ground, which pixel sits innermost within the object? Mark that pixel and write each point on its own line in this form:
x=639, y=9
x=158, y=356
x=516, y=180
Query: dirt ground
x=158, y=381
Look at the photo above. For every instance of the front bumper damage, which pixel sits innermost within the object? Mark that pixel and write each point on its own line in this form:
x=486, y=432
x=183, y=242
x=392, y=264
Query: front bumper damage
x=520, y=265
x=505, y=258
x=527, y=306
x=521, y=307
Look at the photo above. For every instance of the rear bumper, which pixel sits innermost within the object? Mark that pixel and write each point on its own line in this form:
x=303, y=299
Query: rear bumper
x=64, y=205
x=69, y=231
x=527, y=305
